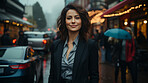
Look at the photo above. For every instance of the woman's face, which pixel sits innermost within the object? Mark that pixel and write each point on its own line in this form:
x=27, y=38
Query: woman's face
x=73, y=20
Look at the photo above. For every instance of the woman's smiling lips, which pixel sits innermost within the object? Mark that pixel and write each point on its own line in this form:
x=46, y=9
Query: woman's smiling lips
x=73, y=26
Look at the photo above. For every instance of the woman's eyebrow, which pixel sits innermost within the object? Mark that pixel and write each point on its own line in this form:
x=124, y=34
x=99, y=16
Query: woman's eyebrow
x=71, y=15
x=76, y=15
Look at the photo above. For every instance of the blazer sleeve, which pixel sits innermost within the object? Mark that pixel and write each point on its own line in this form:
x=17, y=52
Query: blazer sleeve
x=50, y=80
x=53, y=48
x=93, y=62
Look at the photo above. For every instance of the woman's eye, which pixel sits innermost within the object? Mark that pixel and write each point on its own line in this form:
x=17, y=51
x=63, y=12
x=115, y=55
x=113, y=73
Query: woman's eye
x=77, y=17
x=68, y=18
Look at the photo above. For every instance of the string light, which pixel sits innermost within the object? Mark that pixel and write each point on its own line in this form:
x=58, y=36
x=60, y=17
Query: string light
x=14, y=23
x=125, y=23
x=145, y=21
x=124, y=12
x=7, y=21
x=17, y=24
x=21, y=24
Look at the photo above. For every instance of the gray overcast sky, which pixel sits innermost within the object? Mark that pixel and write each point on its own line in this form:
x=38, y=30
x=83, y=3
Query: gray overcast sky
x=51, y=9
x=47, y=5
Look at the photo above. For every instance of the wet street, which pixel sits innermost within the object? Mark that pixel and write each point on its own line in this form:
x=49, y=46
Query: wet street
x=106, y=73
x=46, y=70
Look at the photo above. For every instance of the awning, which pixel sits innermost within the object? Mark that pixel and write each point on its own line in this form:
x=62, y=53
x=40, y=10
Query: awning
x=10, y=17
x=17, y=19
x=3, y=16
x=116, y=7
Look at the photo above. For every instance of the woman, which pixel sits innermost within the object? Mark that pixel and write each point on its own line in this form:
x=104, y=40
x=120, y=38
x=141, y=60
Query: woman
x=127, y=57
x=124, y=55
x=74, y=57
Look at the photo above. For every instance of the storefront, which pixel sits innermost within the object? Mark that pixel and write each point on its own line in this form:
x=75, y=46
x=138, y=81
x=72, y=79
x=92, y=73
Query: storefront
x=14, y=24
x=11, y=17
x=129, y=13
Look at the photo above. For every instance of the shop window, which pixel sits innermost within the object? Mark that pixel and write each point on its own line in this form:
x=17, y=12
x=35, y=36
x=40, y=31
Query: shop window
x=110, y=24
x=141, y=26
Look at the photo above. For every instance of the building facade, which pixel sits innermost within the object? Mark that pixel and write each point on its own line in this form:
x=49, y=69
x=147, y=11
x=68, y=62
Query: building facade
x=11, y=17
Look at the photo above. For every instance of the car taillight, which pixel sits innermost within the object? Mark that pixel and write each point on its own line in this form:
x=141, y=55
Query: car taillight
x=14, y=41
x=20, y=66
x=44, y=41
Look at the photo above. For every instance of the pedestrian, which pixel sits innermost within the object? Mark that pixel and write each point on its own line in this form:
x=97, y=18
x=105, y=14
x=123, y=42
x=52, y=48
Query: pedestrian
x=101, y=42
x=129, y=61
x=115, y=54
x=74, y=57
x=107, y=46
x=141, y=40
x=5, y=39
x=126, y=52
x=22, y=40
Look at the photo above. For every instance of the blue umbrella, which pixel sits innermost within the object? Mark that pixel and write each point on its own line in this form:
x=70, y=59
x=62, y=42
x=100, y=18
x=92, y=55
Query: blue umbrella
x=118, y=33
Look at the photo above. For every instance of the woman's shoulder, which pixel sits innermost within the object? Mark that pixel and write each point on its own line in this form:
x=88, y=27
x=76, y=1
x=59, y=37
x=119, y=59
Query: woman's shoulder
x=56, y=41
x=92, y=43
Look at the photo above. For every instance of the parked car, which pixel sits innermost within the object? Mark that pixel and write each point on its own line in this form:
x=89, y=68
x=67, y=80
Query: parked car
x=20, y=64
x=38, y=41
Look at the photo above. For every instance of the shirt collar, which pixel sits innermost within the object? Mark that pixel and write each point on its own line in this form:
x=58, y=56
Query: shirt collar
x=74, y=42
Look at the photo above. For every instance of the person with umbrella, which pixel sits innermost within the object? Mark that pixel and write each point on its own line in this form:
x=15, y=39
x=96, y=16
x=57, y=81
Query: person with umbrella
x=125, y=52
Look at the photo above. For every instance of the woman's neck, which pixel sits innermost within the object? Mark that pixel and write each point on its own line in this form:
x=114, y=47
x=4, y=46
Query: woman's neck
x=72, y=36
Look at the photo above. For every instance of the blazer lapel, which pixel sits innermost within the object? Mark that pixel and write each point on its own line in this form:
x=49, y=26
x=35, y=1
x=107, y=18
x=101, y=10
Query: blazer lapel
x=78, y=56
x=58, y=58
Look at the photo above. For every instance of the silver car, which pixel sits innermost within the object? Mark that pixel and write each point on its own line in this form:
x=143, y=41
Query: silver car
x=38, y=40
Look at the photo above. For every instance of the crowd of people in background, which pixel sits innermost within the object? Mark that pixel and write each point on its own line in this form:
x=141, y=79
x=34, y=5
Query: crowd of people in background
x=121, y=52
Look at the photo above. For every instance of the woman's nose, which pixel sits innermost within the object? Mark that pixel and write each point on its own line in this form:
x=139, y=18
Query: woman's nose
x=73, y=20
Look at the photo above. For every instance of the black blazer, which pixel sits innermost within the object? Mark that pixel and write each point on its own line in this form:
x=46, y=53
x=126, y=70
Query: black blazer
x=85, y=67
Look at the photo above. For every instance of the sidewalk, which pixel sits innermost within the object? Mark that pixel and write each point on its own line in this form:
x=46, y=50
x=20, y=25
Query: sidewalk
x=106, y=73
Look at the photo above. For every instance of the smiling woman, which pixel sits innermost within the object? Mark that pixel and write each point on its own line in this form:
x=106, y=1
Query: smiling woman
x=73, y=20
x=74, y=57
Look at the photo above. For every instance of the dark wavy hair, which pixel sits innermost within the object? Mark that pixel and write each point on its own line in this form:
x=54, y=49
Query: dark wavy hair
x=61, y=22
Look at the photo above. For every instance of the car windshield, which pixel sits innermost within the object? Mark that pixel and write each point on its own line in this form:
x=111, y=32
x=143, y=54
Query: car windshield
x=35, y=35
x=11, y=53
